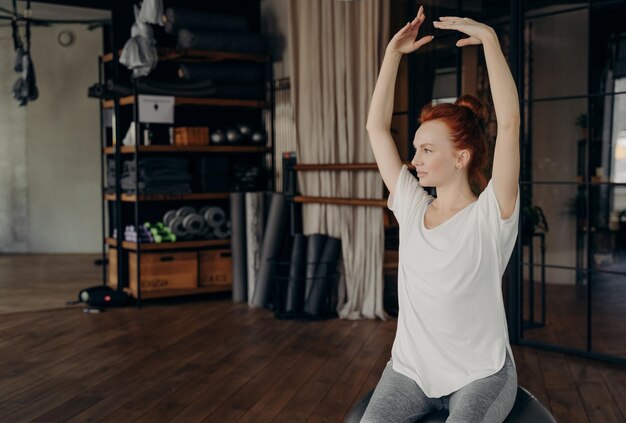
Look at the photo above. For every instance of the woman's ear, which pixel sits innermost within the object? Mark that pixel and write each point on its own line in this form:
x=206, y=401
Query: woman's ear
x=464, y=158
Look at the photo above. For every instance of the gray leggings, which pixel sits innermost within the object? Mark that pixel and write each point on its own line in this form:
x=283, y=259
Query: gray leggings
x=398, y=398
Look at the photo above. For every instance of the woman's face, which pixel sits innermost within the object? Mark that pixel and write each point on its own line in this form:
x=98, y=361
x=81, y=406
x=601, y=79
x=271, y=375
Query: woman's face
x=435, y=159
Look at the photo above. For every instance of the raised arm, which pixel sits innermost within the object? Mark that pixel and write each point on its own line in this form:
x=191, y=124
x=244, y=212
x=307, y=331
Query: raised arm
x=381, y=106
x=506, y=159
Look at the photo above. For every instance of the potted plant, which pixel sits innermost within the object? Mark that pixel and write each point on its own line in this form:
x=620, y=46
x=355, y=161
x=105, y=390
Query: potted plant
x=533, y=218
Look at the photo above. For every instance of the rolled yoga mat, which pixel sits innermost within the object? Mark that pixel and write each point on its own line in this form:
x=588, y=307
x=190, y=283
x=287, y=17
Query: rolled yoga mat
x=178, y=17
x=273, y=238
x=314, y=248
x=222, y=232
x=214, y=216
x=193, y=223
x=294, y=301
x=223, y=72
x=238, y=246
x=317, y=302
x=254, y=238
x=178, y=228
x=177, y=86
x=233, y=42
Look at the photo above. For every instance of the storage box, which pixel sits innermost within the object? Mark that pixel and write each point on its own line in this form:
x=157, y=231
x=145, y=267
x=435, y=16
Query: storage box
x=159, y=271
x=189, y=135
x=112, y=270
x=215, y=267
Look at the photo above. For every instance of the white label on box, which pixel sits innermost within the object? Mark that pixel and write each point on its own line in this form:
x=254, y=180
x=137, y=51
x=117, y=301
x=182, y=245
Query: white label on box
x=156, y=108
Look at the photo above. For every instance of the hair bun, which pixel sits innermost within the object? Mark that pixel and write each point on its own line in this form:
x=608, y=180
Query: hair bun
x=477, y=107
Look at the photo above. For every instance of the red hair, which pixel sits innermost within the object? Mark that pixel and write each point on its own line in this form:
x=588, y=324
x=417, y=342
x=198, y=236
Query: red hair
x=466, y=120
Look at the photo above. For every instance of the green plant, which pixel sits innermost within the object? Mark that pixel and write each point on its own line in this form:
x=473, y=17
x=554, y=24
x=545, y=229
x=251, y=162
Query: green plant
x=533, y=218
x=576, y=206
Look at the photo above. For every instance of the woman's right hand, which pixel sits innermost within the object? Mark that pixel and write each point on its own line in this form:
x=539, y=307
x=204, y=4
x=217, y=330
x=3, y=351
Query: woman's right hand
x=404, y=40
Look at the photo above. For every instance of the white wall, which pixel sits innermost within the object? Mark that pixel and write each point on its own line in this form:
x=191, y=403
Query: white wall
x=52, y=171
x=13, y=171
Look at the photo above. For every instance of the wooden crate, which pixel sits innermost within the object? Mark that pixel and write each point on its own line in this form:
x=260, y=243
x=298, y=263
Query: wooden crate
x=215, y=267
x=161, y=271
x=112, y=270
x=190, y=135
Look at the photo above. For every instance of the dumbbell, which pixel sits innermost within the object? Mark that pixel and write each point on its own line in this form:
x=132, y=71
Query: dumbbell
x=218, y=137
x=233, y=136
x=258, y=136
x=245, y=130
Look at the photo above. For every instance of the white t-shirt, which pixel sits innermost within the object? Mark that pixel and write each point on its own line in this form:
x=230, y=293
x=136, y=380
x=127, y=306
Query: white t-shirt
x=452, y=325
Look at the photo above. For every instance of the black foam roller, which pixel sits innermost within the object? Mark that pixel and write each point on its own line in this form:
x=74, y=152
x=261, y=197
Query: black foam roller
x=238, y=246
x=314, y=248
x=273, y=237
x=317, y=302
x=297, y=271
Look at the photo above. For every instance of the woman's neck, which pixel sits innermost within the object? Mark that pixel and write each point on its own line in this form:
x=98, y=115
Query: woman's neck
x=453, y=197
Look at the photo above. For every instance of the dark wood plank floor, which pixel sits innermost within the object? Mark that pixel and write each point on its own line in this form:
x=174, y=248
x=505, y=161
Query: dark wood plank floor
x=211, y=360
x=44, y=281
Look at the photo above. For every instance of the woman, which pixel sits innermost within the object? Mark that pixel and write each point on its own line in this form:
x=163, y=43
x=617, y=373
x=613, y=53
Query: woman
x=451, y=348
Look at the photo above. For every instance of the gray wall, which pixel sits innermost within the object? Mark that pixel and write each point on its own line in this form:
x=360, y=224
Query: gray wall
x=560, y=68
x=49, y=150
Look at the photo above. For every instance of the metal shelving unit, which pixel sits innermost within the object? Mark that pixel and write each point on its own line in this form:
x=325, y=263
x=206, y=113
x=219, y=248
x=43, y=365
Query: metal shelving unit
x=120, y=200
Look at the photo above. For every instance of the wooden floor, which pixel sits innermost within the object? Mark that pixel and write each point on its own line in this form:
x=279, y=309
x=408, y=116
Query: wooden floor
x=213, y=360
x=223, y=362
x=45, y=281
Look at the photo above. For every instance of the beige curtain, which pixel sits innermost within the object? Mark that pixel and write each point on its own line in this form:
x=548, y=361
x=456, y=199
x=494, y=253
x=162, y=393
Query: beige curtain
x=336, y=48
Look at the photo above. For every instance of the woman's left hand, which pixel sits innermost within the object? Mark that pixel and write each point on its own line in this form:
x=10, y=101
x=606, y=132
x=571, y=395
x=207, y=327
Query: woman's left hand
x=477, y=31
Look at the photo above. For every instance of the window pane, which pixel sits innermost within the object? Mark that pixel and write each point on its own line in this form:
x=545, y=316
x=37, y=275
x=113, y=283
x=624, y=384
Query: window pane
x=607, y=63
x=565, y=310
x=556, y=55
x=608, y=315
x=556, y=143
x=608, y=138
x=486, y=11
x=553, y=215
x=608, y=227
x=534, y=8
